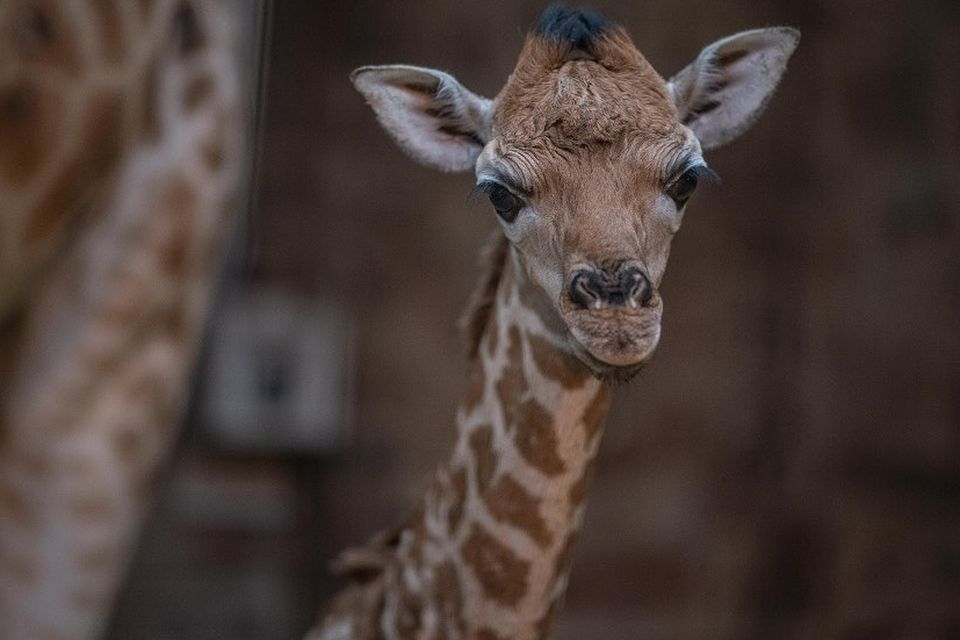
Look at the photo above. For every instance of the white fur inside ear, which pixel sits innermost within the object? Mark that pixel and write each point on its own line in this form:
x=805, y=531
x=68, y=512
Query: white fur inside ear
x=727, y=87
x=431, y=116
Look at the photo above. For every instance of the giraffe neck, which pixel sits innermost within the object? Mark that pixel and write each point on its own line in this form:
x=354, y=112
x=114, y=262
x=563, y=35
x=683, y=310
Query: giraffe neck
x=488, y=553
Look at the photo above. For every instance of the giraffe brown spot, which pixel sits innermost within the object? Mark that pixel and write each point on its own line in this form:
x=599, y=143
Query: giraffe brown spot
x=214, y=151
x=34, y=30
x=531, y=424
x=149, y=112
x=476, y=385
x=536, y=438
x=146, y=8
x=51, y=633
x=127, y=444
x=578, y=490
x=88, y=599
x=484, y=460
x=188, y=32
x=499, y=571
x=408, y=613
x=34, y=463
x=177, y=325
x=80, y=467
x=42, y=36
x=30, y=128
x=179, y=202
x=86, y=175
x=557, y=364
x=510, y=502
x=594, y=414
x=493, y=333
x=13, y=334
x=482, y=305
x=19, y=568
x=458, y=495
x=198, y=91
x=110, y=33
x=565, y=557
x=119, y=314
x=91, y=506
x=96, y=559
x=16, y=506
x=486, y=633
x=512, y=385
x=448, y=593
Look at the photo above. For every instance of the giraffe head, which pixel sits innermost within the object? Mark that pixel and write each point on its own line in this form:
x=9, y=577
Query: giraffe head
x=588, y=157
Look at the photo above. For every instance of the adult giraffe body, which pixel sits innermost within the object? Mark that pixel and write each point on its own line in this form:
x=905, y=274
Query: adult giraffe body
x=588, y=157
x=120, y=150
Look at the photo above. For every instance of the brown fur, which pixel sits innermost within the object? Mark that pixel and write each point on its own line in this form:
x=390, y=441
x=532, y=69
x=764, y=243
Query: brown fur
x=450, y=595
x=592, y=425
x=477, y=314
x=529, y=422
x=484, y=458
x=558, y=365
x=458, y=493
x=510, y=502
x=476, y=383
x=552, y=108
x=502, y=574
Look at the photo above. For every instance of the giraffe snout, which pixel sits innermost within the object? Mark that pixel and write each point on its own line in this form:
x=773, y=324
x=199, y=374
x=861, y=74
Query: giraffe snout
x=626, y=285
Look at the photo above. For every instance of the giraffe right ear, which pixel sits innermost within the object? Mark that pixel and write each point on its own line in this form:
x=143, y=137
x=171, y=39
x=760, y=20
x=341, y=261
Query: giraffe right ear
x=432, y=117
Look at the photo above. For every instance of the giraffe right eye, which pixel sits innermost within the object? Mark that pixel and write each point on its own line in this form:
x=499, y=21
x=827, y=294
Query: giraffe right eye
x=506, y=204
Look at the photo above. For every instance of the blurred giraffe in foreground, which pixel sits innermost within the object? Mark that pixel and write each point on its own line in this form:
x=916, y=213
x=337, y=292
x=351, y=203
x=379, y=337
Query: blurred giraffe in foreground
x=588, y=157
x=120, y=150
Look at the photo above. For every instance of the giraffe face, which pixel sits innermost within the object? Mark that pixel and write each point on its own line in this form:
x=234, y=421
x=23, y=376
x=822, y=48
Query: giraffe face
x=589, y=170
x=588, y=157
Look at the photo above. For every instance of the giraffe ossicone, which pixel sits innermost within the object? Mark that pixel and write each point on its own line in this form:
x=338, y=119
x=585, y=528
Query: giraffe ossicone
x=588, y=157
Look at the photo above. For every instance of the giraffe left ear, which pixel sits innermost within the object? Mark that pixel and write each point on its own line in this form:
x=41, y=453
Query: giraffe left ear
x=727, y=87
x=434, y=118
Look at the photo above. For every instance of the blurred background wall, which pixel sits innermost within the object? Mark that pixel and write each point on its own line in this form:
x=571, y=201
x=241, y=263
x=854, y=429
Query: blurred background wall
x=787, y=467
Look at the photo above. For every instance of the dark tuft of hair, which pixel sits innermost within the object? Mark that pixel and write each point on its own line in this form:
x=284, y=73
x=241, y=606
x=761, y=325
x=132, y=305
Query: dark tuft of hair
x=577, y=27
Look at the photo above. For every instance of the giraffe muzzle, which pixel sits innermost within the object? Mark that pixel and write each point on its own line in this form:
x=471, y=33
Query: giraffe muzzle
x=596, y=288
x=613, y=313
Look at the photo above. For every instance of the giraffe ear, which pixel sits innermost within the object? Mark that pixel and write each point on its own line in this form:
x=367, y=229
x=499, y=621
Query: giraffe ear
x=431, y=116
x=722, y=93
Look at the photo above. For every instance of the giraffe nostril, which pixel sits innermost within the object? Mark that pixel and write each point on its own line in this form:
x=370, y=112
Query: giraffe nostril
x=597, y=289
x=584, y=290
x=637, y=286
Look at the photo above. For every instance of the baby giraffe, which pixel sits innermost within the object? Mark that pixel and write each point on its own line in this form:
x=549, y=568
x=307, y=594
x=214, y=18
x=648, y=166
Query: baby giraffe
x=588, y=157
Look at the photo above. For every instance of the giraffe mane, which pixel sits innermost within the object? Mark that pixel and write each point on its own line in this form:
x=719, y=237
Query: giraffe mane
x=365, y=563
x=475, y=317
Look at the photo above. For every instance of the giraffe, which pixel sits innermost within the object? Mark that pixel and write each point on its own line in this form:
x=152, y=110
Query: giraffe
x=588, y=157
x=120, y=153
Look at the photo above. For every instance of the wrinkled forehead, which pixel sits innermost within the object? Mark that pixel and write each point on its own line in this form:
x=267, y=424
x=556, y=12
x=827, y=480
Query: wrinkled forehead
x=591, y=99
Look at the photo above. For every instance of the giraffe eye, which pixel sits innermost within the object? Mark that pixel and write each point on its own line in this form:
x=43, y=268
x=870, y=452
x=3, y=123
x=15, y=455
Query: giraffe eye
x=683, y=187
x=505, y=203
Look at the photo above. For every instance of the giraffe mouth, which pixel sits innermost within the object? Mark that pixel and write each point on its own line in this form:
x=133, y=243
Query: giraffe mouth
x=614, y=338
